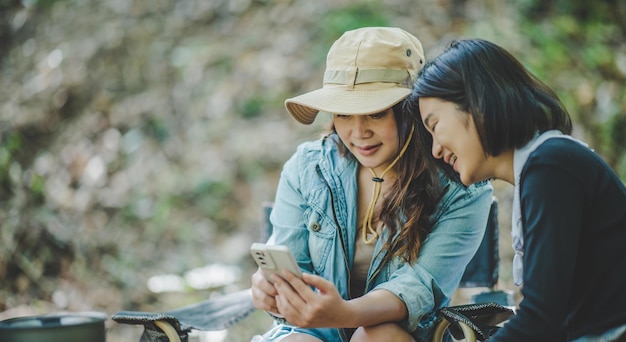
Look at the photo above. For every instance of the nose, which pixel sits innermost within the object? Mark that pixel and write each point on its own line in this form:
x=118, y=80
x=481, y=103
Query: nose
x=437, y=150
x=361, y=126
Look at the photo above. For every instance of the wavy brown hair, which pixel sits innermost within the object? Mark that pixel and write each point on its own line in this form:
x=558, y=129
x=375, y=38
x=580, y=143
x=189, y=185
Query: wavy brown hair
x=413, y=197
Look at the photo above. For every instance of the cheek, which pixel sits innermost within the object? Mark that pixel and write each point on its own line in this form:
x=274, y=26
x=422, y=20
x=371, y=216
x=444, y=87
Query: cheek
x=474, y=163
x=388, y=130
x=342, y=131
x=433, y=135
x=389, y=135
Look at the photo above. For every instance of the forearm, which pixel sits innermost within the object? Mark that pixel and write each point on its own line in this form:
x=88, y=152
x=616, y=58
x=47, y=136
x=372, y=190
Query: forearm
x=429, y=284
x=375, y=307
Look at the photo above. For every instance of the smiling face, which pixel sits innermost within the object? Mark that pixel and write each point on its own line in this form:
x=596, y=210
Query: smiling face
x=455, y=139
x=372, y=139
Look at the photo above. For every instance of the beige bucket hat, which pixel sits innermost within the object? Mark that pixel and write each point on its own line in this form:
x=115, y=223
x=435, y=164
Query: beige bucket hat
x=368, y=70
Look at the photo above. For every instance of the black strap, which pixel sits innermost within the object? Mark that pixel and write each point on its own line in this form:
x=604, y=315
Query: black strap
x=483, y=318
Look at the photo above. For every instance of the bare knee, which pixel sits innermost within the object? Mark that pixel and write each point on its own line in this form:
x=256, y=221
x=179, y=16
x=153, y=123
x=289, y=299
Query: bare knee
x=381, y=332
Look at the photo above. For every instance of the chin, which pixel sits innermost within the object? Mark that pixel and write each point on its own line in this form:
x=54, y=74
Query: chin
x=466, y=182
x=467, y=179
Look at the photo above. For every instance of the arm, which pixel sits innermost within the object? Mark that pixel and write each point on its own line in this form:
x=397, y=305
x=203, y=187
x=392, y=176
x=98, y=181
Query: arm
x=291, y=232
x=551, y=201
x=324, y=307
x=287, y=215
x=457, y=231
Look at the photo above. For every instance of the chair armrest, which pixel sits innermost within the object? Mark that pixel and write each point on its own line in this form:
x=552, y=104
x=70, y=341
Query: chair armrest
x=216, y=313
x=482, y=319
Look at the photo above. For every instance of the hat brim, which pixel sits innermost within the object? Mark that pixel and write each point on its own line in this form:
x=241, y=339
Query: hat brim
x=340, y=100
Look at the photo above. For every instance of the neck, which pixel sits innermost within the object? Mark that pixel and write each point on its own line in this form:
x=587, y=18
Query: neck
x=503, y=167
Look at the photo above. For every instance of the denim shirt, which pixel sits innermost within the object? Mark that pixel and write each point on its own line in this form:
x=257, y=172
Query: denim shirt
x=315, y=215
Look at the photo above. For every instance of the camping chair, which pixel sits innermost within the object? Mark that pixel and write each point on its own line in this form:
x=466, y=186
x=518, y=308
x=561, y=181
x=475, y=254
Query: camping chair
x=480, y=318
x=474, y=322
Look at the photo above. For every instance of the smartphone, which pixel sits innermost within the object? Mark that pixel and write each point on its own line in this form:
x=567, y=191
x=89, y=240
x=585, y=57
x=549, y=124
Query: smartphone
x=273, y=259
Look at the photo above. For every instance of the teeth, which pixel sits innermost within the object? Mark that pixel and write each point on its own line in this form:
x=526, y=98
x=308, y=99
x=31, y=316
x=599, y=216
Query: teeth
x=452, y=160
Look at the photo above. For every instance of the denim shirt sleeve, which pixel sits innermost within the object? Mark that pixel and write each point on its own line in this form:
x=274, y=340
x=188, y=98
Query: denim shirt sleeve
x=458, y=227
x=289, y=228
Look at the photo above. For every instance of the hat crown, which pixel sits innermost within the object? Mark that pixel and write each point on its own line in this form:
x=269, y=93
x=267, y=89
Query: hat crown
x=374, y=54
x=368, y=70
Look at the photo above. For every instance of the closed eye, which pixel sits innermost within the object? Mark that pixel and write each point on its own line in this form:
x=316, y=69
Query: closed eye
x=378, y=115
x=430, y=123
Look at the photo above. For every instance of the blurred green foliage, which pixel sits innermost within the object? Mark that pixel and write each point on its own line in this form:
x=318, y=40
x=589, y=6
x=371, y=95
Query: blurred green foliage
x=335, y=23
x=9, y=144
x=579, y=45
x=350, y=17
x=252, y=107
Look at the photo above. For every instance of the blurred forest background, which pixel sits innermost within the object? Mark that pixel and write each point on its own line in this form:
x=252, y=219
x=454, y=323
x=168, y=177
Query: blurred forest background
x=138, y=138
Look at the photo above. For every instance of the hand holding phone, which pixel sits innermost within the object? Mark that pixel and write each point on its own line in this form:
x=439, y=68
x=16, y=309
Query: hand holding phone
x=273, y=259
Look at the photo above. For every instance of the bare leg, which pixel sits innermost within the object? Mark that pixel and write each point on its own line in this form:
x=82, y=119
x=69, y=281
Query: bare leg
x=381, y=332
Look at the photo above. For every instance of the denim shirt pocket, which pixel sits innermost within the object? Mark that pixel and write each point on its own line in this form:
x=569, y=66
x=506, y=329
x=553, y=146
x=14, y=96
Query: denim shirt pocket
x=321, y=236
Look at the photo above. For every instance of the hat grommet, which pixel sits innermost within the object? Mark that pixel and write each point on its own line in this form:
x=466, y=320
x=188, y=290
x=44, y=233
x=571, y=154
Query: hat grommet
x=408, y=52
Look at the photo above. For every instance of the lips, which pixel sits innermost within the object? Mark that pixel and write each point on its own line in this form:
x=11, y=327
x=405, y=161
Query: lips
x=367, y=150
x=452, y=160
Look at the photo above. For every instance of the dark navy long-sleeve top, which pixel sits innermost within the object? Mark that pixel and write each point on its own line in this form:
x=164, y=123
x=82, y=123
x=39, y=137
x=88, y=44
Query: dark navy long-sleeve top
x=573, y=208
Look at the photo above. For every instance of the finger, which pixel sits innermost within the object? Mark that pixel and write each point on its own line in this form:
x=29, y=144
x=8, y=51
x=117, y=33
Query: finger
x=288, y=310
x=283, y=308
x=302, y=288
x=262, y=301
x=263, y=293
x=290, y=301
x=259, y=281
x=282, y=286
x=317, y=282
x=288, y=276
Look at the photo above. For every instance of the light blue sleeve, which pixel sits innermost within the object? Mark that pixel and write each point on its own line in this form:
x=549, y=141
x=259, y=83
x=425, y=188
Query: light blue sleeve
x=287, y=215
x=458, y=227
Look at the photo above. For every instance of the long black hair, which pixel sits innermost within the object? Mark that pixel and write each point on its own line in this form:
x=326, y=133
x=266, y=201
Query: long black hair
x=508, y=103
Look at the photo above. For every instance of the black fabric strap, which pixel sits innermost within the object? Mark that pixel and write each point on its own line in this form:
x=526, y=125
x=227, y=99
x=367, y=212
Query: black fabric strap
x=483, y=318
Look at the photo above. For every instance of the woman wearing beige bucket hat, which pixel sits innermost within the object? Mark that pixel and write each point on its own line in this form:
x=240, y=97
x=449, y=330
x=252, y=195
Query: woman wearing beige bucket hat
x=382, y=238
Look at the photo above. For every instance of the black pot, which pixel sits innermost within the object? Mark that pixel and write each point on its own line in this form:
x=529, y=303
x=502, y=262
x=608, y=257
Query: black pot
x=58, y=327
